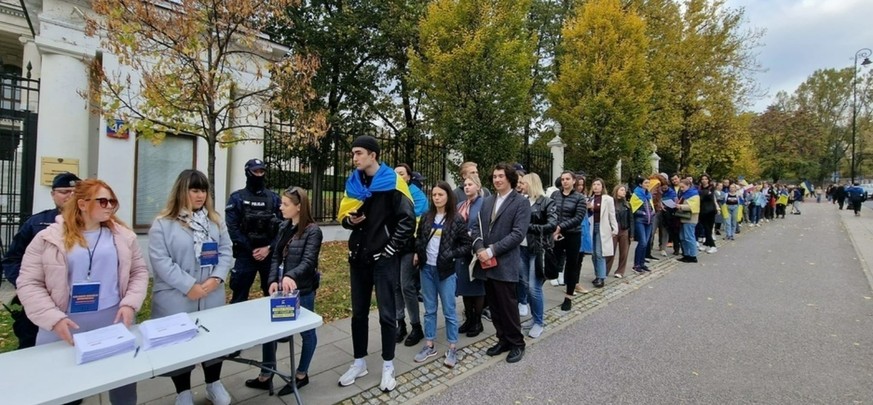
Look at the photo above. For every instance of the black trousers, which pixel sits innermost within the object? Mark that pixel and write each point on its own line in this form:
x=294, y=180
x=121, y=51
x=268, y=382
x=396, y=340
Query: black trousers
x=504, y=312
x=23, y=328
x=567, y=252
x=243, y=276
x=383, y=276
x=707, y=221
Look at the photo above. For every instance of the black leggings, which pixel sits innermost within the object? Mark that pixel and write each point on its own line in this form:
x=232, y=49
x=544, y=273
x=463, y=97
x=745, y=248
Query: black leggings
x=183, y=381
x=707, y=221
x=567, y=249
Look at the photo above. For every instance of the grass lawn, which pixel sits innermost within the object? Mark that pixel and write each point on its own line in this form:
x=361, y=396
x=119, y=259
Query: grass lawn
x=332, y=300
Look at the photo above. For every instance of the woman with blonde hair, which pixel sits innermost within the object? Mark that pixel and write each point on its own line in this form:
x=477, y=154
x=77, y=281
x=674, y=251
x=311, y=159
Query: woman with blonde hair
x=190, y=253
x=89, y=250
x=543, y=220
x=472, y=290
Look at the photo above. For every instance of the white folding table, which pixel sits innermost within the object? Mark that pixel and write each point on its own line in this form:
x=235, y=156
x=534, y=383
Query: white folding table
x=48, y=374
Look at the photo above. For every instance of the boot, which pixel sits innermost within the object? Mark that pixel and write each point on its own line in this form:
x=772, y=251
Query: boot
x=415, y=335
x=468, y=316
x=401, y=331
x=475, y=325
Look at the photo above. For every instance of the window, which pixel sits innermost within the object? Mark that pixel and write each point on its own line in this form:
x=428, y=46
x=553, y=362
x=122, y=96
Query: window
x=157, y=167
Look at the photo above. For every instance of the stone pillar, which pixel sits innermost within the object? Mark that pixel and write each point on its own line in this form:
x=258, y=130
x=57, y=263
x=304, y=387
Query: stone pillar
x=63, y=125
x=556, y=147
x=618, y=171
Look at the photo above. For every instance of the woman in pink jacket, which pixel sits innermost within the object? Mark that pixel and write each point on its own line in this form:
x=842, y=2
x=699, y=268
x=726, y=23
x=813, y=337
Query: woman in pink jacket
x=87, y=252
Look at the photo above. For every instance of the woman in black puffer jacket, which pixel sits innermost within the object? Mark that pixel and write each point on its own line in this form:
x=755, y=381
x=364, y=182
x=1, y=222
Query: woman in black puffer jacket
x=294, y=267
x=570, y=206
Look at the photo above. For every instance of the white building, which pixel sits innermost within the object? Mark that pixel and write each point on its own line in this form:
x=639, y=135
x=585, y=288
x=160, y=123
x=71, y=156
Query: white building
x=49, y=36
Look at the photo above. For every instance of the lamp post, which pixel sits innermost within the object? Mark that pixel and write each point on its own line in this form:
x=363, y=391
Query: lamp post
x=862, y=53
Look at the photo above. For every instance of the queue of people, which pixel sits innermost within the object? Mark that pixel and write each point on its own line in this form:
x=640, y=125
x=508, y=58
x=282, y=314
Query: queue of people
x=408, y=243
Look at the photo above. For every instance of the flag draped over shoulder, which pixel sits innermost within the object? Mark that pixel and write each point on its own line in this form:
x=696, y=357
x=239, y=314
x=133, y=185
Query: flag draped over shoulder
x=356, y=192
x=692, y=198
x=639, y=197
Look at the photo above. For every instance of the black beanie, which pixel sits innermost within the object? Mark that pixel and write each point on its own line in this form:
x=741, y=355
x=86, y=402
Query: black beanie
x=367, y=142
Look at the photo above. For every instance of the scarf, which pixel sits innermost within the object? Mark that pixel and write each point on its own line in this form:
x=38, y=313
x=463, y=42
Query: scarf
x=356, y=192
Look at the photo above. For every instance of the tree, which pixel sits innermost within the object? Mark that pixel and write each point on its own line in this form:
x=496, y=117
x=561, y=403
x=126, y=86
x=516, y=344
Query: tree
x=601, y=95
x=826, y=96
x=474, y=69
x=204, y=69
x=701, y=64
x=787, y=143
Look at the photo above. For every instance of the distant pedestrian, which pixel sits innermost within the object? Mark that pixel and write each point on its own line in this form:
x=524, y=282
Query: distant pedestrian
x=856, y=196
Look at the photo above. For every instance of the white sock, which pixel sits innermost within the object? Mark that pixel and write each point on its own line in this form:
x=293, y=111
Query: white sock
x=389, y=364
x=360, y=363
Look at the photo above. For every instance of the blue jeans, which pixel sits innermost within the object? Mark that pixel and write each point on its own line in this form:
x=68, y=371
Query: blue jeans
x=597, y=257
x=643, y=233
x=310, y=340
x=535, y=284
x=731, y=224
x=431, y=287
x=689, y=242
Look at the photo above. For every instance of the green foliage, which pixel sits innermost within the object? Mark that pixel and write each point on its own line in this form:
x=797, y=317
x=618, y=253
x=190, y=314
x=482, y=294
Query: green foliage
x=601, y=95
x=474, y=68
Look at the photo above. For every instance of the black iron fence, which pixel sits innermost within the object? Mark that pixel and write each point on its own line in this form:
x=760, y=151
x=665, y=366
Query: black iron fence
x=326, y=167
x=19, y=97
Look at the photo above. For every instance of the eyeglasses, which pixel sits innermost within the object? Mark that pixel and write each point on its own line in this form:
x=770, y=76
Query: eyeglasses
x=105, y=202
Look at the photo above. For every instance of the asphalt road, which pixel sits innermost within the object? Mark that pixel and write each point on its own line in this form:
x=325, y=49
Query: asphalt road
x=781, y=315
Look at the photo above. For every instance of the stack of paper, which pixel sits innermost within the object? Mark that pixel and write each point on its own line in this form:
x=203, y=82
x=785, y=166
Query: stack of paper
x=104, y=342
x=167, y=330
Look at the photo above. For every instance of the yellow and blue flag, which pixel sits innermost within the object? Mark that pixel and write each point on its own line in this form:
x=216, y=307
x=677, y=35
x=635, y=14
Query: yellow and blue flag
x=356, y=192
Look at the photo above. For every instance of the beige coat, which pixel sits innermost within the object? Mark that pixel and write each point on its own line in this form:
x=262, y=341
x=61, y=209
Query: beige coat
x=43, y=285
x=608, y=225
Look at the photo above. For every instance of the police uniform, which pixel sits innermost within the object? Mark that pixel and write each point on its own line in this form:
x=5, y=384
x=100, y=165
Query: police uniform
x=23, y=328
x=253, y=217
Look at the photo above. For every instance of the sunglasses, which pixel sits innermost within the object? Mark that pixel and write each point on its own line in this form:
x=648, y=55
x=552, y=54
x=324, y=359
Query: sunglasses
x=105, y=202
x=292, y=190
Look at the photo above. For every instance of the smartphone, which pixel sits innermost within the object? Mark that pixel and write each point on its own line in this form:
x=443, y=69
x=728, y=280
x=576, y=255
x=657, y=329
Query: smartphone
x=560, y=237
x=355, y=214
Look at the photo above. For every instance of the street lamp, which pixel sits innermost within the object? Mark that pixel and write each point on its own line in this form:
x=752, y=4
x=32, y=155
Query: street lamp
x=862, y=53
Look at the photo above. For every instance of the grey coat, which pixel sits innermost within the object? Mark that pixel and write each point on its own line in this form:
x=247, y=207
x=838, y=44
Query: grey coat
x=503, y=236
x=176, y=268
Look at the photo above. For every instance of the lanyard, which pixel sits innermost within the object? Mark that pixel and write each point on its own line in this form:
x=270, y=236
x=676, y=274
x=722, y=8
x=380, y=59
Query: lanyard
x=91, y=253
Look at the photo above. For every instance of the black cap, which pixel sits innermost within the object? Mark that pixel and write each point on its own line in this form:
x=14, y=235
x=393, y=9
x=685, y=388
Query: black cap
x=367, y=142
x=255, y=164
x=65, y=179
x=417, y=179
x=519, y=169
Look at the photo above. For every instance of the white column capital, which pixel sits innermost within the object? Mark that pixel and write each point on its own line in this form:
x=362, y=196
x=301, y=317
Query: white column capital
x=51, y=46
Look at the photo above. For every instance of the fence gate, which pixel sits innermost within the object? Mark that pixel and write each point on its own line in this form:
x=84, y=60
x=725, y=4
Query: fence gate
x=19, y=99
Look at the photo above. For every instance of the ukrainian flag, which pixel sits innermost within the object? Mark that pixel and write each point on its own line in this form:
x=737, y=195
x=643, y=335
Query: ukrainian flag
x=640, y=197
x=356, y=193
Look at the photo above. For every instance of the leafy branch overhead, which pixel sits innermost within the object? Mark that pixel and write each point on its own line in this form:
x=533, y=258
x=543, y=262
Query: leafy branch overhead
x=202, y=68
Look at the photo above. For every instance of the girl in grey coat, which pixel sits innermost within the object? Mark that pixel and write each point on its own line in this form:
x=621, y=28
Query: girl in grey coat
x=183, y=243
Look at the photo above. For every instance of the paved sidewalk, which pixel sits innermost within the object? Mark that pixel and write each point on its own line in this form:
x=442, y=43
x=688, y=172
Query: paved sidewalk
x=419, y=382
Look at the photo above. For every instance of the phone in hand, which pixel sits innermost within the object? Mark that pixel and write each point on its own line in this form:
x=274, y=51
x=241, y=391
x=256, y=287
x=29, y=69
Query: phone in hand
x=355, y=214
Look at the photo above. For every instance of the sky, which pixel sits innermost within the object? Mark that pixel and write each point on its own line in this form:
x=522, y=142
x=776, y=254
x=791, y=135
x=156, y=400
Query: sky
x=802, y=36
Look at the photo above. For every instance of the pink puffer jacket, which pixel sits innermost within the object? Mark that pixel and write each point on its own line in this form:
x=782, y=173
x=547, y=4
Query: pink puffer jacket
x=43, y=285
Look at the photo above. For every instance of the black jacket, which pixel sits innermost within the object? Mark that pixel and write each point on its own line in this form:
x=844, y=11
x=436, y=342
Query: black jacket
x=571, y=211
x=389, y=223
x=707, y=200
x=624, y=217
x=455, y=242
x=300, y=256
x=543, y=220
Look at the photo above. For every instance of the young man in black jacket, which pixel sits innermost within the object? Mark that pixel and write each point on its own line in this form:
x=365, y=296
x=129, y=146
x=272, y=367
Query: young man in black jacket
x=378, y=208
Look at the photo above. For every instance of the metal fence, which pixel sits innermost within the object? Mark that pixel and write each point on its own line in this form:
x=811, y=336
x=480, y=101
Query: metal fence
x=326, y=168
x=19, y=97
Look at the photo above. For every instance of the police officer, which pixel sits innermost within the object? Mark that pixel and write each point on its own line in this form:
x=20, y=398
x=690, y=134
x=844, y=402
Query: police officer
x=62, y=188
x=253, y=218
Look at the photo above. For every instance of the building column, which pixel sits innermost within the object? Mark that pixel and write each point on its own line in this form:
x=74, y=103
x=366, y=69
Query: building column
x=556, y=147
x=64, y=117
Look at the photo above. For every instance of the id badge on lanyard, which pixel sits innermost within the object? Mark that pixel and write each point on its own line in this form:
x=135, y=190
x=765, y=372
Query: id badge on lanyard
x=85, y=297
x=209, y=254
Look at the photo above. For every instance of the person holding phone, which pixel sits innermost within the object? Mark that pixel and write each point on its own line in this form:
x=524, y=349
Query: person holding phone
x=570, y=206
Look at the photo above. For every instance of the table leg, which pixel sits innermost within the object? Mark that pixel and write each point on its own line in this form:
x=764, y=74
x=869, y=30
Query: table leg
x=294, y=373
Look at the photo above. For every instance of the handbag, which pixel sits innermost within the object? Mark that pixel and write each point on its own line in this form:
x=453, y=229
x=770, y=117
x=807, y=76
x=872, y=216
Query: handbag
x=551, y=267
x=682, y=214
x=487, y=264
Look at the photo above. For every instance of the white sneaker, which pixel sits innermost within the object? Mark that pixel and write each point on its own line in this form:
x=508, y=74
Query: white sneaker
x=216, y=393
x=664, y=253
x=712, y=249
x=388, y=381
x=185, y=398
x=561, y=278
x=535, y=331
x=554, y=282
x=352, y=374
x=523, y=310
